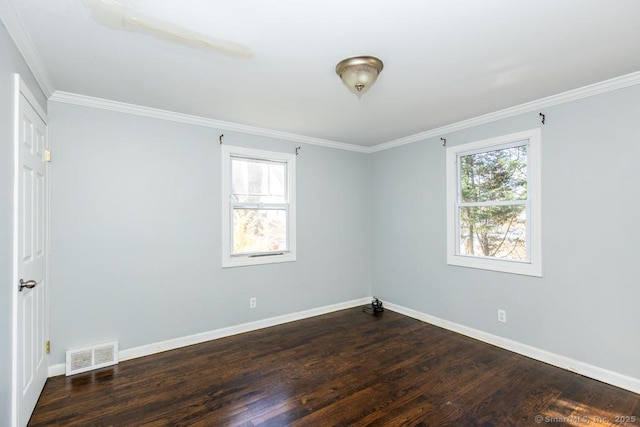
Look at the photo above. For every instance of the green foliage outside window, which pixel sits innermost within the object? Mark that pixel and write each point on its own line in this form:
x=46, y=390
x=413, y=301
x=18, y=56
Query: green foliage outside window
x=493, y=196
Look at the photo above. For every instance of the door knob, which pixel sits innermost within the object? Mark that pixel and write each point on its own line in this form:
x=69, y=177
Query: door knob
x=29, y=284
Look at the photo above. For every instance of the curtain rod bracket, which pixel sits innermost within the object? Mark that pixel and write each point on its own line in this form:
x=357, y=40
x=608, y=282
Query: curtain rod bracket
x=444, y=141
x=298, y=150
x=543, y=117
x=221, y=138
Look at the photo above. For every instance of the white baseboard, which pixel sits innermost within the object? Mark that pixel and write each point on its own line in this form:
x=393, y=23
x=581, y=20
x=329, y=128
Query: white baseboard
x=600, y=374
x=149, y=349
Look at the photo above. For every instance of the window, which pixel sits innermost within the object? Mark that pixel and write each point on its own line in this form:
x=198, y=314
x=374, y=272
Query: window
x=258, y=207
x=493, y=204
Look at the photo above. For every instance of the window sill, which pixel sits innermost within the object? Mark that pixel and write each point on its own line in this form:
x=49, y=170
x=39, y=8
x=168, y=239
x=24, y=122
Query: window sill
x=502, y=266
x=242, y=261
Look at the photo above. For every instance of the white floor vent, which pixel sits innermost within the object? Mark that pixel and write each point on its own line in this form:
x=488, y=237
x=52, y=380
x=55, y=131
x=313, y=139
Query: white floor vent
x=94, y=357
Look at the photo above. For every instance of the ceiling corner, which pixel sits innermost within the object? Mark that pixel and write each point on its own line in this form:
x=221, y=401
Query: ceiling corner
x=25, y=45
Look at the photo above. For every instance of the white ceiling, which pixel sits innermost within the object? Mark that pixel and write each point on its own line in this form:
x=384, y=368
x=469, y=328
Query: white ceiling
x=444, y=60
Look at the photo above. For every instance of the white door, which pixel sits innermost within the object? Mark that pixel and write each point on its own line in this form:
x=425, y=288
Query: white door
x=31, y=359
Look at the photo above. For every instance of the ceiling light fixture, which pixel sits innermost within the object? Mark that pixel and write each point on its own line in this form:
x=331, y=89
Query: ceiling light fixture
x=359, y=72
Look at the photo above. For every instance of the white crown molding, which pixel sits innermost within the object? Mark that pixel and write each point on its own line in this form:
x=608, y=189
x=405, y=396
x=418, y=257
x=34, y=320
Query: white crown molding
x=582, y=368
x=25, y=45
x=105, y=104
x=149, y=349
x=561, y=98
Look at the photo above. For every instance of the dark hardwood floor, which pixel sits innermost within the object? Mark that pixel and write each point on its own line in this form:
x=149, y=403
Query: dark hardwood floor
x=346, y=368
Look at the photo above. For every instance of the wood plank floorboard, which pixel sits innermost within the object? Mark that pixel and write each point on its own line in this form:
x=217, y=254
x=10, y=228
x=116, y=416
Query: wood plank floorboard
x=346, y=368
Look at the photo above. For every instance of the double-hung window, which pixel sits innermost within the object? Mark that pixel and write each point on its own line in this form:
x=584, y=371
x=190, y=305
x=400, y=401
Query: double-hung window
x=258, y=207
x=493, y=204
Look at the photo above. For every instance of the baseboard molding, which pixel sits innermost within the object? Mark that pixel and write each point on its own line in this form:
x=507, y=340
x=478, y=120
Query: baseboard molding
x=158, y=347
x=597, y=373
x=585, y=369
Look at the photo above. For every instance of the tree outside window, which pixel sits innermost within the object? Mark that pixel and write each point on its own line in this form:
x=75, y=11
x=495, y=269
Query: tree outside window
x=493, y=198
x=258, y=207
x=493, y=204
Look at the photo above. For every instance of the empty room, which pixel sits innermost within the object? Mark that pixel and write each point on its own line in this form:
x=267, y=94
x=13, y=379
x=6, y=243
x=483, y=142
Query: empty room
x=322, y=213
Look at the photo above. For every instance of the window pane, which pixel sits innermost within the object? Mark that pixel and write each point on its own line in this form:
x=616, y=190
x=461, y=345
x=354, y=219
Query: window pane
x=259, y=230
x=498, y=175
x=494, y=231
x=276, y=179
x=258, y=178
x=239, y=177
x=256, y=181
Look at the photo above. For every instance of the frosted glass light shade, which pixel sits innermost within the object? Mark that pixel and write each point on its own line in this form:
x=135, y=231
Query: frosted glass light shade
x=359, y=72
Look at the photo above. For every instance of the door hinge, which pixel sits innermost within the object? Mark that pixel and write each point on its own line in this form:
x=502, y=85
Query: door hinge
x=47, y=155
x=47, y=347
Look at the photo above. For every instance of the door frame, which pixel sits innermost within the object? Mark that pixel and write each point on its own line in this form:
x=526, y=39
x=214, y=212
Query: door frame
x=20, y=88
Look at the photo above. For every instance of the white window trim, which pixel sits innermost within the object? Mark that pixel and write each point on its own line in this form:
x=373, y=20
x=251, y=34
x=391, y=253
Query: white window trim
x=227, y=151
x=534, y=219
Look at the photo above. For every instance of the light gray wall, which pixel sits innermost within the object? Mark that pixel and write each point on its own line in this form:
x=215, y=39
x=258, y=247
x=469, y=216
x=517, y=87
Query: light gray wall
x=136, y=244
x=586, y=305
x=136, y=250
x=10, y=62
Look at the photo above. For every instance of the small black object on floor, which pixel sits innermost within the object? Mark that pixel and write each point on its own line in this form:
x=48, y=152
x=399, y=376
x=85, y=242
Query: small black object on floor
x=375, y=308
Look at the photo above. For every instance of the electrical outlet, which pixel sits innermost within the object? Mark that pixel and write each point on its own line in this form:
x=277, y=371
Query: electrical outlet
x=252, y=302
x=502, y=316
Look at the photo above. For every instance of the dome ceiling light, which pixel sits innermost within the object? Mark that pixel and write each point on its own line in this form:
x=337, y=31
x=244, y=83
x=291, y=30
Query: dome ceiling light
x=359, y=72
